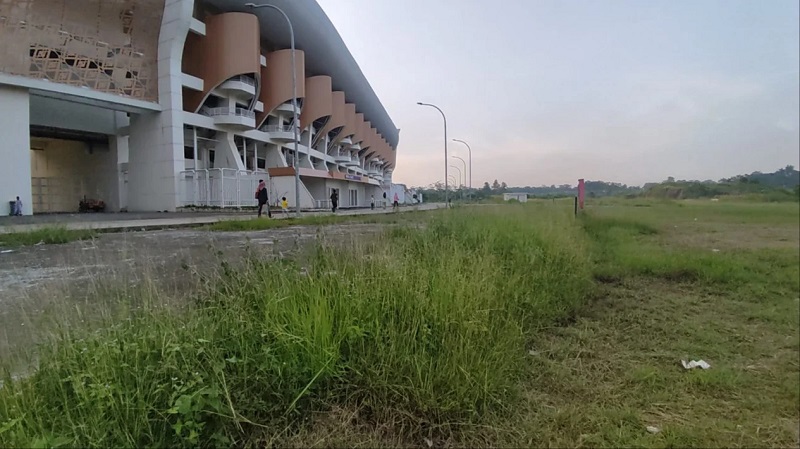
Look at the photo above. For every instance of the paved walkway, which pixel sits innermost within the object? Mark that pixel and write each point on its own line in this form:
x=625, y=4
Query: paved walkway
x=143, y=221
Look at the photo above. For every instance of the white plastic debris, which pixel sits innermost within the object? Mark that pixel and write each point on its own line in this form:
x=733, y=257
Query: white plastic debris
x=714, y=250
x=6, y=251
x=653, y=429
x=428, y=442
x=695, y=364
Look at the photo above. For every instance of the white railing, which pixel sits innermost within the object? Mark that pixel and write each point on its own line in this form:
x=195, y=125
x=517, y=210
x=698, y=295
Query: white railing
x=278, y=129
x=219, y=187
x=216, y=112
x=323, y=204
x=243, y=79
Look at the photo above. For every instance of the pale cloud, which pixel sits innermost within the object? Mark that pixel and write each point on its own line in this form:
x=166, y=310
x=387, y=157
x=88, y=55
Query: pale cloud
x=547, y=91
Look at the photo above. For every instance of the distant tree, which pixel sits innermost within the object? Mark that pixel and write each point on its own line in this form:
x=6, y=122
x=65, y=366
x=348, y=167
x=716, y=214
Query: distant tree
x=503, y=187
x=670, y=179
x=495, y=185
x=486, y=187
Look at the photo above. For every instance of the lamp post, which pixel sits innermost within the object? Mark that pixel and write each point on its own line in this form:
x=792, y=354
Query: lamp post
x=465, y=172
x=465, y=167
x=445, y=146
x=295, y=124
x=470, y=161
x=460, y=175
x=452, y=179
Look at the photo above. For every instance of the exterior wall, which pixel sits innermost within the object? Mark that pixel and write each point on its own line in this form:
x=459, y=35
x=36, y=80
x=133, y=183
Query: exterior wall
x=281, y=186
x=318, y=102
x=277, y=80
x=102, y=57
x=68, y=115
x=15, y=169
x=400, y=190
x=338, y=113
x=99, y=44
x=316, y=187
x=156, y=139
x=230, y=47
x=64, y=171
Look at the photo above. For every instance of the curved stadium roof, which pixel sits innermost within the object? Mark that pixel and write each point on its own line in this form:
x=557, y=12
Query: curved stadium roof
x=326, y=53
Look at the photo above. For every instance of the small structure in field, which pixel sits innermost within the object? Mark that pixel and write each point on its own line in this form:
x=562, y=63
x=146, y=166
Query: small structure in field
x=521, y=197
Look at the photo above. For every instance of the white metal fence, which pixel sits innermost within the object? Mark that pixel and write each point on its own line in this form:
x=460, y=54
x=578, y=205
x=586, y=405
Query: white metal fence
x=219, y=187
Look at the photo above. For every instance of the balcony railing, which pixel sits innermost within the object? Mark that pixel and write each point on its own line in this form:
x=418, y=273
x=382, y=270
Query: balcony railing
x=244, y=79
x=217, y=112
x=279, y=129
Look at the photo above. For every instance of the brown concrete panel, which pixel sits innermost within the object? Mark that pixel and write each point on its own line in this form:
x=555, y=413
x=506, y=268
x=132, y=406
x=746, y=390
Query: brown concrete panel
x=349, y=123
x=276, y=78
x=338, y=113
x=319, y=100
x=366, y=133
x=280, y=171
x=230, y=47
x=358, y=135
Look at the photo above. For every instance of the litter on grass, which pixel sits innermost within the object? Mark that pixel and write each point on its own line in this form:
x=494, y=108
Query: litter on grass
x=653, y=429
x=695, y=364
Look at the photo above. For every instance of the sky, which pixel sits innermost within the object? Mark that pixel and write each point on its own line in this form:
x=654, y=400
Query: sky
x=549, y=91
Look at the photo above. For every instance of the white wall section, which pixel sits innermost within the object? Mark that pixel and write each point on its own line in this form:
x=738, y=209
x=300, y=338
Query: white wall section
x=15, y=148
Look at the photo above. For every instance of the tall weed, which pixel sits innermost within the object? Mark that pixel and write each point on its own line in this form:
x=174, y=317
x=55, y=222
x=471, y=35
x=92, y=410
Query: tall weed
x=426, y=327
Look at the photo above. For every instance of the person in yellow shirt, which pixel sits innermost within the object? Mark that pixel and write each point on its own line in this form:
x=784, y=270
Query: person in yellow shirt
x=285, y=206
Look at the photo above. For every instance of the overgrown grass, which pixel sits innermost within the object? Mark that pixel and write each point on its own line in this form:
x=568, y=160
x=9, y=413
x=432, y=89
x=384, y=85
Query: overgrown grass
x=426, y=329
x=47, y=236
x=616, y=370
x=479, y=328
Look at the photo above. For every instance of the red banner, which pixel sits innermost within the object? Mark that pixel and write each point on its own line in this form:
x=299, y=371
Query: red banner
x=581, y=193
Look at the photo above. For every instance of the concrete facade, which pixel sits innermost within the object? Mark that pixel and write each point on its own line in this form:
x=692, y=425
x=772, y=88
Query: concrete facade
x=172, y=103
x=15, y=169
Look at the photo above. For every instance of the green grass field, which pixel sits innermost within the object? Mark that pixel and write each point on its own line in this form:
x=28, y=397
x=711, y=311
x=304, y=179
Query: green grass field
x=46, y=236
x=480, y=326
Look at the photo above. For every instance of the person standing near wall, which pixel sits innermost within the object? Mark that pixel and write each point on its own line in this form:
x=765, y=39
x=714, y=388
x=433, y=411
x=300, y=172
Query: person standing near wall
x=396, y=202
x=384, y=199
x=334, y=201
x=372, y=203
x=18, y=207
x=263, y=198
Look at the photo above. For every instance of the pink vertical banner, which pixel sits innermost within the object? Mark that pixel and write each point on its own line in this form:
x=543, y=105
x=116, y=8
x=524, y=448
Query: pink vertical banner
x=581, y=193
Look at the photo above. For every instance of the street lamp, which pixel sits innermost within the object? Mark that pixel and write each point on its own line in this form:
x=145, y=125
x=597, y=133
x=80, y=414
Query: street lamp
x=465, y=167
x=470, y=161
x=445, y=145
x=459, y=175
x=295, y=124
x=465, y=172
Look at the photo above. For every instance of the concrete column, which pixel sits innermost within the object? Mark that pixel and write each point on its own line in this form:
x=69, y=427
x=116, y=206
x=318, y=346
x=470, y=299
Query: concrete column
x=156, y=139
x=15, y=149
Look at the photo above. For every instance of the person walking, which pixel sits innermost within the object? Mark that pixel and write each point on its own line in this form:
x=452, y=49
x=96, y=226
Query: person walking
x=285, y=207
x=263, y=198
x=334, y=201
x=372, y=202
x=396, y=202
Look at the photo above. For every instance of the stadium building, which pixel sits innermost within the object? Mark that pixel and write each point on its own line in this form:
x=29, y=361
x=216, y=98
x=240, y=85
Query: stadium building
x=153, y=105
